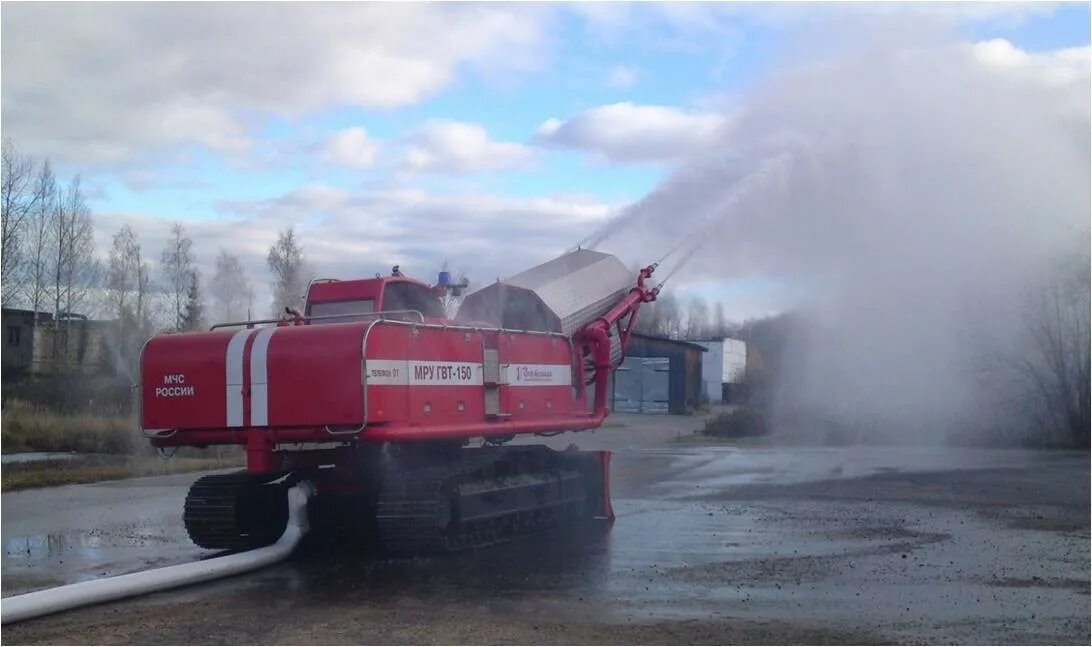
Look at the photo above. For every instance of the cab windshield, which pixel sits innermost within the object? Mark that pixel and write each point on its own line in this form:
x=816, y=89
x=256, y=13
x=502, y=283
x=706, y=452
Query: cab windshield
x=363, y=308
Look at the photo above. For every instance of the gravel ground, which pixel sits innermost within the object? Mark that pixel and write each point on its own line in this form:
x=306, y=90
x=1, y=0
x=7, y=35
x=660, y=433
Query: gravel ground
x=713, y=544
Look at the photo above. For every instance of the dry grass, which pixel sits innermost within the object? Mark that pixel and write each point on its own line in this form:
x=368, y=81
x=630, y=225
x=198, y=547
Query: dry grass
x=741, y=422
x=108, y=445
x=28, y=428
x=91, y=469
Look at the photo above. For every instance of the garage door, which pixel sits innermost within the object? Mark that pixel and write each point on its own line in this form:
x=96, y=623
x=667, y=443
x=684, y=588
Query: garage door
x=641, y=385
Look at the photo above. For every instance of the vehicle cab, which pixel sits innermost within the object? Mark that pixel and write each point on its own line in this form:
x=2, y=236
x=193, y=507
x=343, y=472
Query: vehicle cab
x=394, y=296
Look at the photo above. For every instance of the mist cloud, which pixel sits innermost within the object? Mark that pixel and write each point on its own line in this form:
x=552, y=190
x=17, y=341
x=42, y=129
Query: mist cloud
x=915, y=186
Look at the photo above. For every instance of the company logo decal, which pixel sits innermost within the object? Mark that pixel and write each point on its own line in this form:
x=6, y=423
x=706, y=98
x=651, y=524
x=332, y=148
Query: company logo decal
x=534, y=374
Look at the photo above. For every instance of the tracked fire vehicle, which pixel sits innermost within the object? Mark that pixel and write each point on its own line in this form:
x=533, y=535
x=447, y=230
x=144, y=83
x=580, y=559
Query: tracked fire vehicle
x=374, y=395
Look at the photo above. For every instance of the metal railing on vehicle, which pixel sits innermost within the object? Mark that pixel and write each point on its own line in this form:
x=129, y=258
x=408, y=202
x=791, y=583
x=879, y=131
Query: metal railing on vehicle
x=363, y=316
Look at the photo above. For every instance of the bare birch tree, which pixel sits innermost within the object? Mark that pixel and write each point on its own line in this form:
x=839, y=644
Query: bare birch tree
x=193, y=317
x=697, y=319
x=1055, y=366
x=649, y=319
x=177, y=265
x=72, y=249
x=72, y=262
x=231, y=294
x=661, y=317
x=720, y=324
x=36, y=274
x=128, y=282
x=18, y=200
x=290, y=273
x=1037, y=377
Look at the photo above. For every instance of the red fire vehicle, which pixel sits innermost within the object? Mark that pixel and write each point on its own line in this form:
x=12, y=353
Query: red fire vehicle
x=373, y=394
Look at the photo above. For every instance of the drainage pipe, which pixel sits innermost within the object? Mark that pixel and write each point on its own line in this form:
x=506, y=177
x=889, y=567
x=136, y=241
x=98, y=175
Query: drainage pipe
x=71, y=596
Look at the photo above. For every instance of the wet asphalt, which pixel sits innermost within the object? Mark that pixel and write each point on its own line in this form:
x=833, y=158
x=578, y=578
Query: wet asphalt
x=713, y=544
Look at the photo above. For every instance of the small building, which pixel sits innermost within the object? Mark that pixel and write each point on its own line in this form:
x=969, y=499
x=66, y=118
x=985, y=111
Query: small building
x=18, y=352
x=724, y=372
x=658, y=375
x=74, y=344
x=71, y=344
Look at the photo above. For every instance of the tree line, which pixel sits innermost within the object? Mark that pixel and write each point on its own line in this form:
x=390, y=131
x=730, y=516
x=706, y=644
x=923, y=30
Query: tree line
x=666, y=317
x=49, y=265
x=47, y=256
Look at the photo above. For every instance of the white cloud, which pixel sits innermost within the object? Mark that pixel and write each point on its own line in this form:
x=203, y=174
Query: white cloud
x=460, y=147
x=144, y=179
x=1005, y=14
x=1059, y=67
x=101, y=82
x=1064, y=73
x=622, y=77
x=675, y=26
x=626, y=132
x=352, y=147
x=687, y=20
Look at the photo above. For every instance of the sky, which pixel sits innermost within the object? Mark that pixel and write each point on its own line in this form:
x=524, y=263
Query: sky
x=488, y=136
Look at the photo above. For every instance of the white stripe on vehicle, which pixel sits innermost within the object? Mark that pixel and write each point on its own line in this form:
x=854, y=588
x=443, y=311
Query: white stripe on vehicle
x=400, y=372
x=397, y=372
x=259, y=382
x=234, y=376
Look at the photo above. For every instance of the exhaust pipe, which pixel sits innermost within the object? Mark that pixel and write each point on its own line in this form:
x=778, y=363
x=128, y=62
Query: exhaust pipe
x=72, y=596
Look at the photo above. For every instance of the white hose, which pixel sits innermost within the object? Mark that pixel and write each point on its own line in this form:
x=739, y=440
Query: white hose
x=71, y=596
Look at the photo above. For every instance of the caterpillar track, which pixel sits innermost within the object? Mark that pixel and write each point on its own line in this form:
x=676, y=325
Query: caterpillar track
x=236, y=511
x=477, y=498
x=430, y=499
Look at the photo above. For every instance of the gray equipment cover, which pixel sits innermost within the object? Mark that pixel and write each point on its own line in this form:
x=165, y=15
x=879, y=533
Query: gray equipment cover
x=561, y=295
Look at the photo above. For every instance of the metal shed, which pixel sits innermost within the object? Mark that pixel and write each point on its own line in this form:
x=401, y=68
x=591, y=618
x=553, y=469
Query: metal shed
x=724, y=372
x=659, y=375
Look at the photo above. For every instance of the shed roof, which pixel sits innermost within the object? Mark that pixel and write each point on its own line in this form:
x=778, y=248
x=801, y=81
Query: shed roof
x=680, y=342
